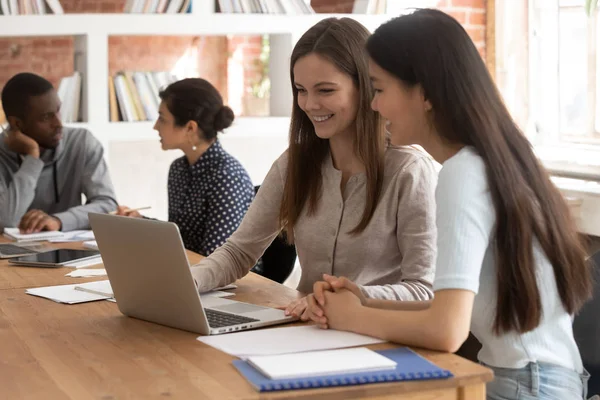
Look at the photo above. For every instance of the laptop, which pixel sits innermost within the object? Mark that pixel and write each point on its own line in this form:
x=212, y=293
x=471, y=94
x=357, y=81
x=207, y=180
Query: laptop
x=149, y=272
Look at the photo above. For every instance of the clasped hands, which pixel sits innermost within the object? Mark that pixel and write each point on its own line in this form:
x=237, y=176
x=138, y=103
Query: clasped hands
x=332, y=304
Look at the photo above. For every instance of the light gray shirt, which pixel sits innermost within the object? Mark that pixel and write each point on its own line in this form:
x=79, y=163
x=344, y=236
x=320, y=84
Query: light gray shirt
x=393, y=258
x=55, y=182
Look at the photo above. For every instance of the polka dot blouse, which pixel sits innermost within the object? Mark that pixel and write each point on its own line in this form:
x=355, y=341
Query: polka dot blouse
x=208, y=200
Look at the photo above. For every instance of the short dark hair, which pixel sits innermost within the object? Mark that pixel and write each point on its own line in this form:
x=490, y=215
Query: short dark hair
x=196, y=99
x=18, y=90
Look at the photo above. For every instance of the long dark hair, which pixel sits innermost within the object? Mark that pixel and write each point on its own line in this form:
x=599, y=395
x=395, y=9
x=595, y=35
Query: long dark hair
x=342, y=42
x=196, y=99
x=431, y=49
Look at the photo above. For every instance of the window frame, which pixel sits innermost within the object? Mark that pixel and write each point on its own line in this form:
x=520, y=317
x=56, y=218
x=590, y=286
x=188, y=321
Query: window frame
x=519, y=76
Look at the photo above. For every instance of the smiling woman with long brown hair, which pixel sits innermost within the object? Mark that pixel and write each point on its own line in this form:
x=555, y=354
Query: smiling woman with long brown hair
x=351, y=203
x=510, y=265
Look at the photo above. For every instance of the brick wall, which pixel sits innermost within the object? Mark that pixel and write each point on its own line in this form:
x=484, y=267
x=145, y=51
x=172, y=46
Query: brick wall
x=52, y=57
x=470, y=13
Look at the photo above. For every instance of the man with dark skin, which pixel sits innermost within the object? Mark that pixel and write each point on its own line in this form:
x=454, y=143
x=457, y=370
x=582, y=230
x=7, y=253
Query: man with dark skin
x=45, y=168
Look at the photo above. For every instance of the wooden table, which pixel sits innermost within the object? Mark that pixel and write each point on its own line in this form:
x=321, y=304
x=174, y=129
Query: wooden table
x=91, y=351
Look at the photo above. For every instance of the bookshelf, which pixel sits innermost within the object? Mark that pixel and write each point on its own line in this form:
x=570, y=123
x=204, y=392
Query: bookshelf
x=92, y=31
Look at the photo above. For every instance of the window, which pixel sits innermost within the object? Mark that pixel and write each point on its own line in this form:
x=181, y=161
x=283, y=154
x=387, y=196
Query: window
x=563, y=66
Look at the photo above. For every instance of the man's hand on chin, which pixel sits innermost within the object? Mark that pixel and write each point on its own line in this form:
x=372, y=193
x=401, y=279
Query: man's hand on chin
x=37, y=220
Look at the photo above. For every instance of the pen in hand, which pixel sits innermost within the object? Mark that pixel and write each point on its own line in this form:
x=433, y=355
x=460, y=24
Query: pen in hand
x=123, y=210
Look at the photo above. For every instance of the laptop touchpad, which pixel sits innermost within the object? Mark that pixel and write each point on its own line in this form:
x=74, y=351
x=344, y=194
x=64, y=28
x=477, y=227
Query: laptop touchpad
x=239, y=308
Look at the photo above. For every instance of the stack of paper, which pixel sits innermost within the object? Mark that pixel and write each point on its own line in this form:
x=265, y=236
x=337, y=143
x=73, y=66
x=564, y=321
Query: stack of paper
x=14, y=234
x=321, y=363
x=101, y=288
x=73, y=236
x=65, y=294
x=86, y=273
x=88, y=262
x=409, y=366
x=285, y=340
x=90, y=244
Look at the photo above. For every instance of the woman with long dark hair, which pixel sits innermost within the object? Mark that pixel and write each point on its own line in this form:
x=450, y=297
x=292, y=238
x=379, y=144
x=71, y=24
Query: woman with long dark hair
x=510, y=264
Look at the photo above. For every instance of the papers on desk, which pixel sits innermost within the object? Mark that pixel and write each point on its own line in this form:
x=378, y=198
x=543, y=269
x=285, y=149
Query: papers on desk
x=91, y=291
x=101, y=288
x=295, y=339
x=73, y=236
x=86, y=273
x=90, y=244
x=321, y=363
x=65, y=294
x=51, y=236
x=88, y=262
x=14, y=234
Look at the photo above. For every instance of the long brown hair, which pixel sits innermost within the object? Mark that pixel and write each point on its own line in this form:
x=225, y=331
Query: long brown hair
x=431, y=49
x=342, y=42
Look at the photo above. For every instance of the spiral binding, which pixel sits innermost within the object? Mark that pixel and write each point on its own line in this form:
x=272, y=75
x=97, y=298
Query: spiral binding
x=333, y=382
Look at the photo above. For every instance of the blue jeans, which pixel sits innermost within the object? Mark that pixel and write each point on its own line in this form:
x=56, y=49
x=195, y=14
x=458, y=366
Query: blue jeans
x=537, y=381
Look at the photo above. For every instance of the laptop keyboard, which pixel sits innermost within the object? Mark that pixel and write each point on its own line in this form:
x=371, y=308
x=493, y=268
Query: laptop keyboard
x=12, y=250
x=218, y=319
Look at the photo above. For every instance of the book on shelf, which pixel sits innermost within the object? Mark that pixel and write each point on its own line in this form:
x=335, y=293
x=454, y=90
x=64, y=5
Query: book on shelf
x=30, y=7
x=69, y=93
x=133, y=96
x=158, y=6
x=289, y=7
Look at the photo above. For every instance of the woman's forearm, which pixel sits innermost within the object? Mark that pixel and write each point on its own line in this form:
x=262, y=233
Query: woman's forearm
x=398, y=305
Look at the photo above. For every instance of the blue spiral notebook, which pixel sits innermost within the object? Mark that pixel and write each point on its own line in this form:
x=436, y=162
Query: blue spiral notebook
x=410, y=366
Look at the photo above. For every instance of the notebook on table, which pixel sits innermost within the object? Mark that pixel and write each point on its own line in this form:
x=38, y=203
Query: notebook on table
x=321, y=363
x=15, y=234
x=409, y=367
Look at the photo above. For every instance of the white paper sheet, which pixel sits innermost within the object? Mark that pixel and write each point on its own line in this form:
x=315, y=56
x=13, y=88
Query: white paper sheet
x=64, y=294
x=216, y=293
x=73, y=236
x=86, y=273
x=285, y=340
x=85, y=263
x=14, y=233
x=90, y=244
x=321, y=363
x=98, y=287
x=104, y=288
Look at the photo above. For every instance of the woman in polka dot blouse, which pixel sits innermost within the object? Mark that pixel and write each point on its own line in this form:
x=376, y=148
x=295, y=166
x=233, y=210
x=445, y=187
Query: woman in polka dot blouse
x=209, y=190
x=353, y=204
